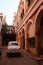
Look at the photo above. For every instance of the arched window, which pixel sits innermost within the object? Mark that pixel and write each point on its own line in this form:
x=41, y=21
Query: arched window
x=22, y=14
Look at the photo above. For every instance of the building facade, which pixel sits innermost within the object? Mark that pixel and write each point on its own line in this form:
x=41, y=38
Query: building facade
x=29, y=20
x=1, y=19
x=11, y=29
x=2, y=22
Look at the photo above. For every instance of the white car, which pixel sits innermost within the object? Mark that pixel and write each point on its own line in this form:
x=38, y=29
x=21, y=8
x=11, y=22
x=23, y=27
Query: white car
x=13, y=47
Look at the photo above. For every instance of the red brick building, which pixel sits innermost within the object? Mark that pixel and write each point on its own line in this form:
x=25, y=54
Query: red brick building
x=29, y=20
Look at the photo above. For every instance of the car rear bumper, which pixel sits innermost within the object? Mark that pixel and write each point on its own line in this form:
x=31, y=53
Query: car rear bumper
x=12, y=51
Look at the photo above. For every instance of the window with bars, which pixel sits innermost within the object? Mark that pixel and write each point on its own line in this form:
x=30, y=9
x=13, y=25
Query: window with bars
x=22, y=14
x=29, y=2
x=32, y=42
x=1, y=18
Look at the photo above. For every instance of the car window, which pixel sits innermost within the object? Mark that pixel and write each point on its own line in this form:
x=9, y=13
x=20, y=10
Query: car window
x=14, y=44
x=9, y=44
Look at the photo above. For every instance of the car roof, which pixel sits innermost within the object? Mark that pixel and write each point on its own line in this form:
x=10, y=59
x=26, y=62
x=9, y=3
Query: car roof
x=13, y=42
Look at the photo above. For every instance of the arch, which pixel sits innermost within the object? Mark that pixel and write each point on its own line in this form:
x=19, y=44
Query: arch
x=31, y=27
x=31, y=33
x=30, y=21
x=41, y=8
x=40, y=15
x=28, y=24
x=39, y=31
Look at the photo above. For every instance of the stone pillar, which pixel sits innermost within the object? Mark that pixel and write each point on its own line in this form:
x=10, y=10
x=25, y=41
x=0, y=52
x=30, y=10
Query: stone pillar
x=21, y=40
x=26, y=41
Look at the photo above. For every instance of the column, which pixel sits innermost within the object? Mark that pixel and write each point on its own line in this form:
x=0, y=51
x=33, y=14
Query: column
x=26, y=41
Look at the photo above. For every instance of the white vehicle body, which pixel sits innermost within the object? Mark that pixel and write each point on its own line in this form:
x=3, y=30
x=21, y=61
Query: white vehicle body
x=13, y=47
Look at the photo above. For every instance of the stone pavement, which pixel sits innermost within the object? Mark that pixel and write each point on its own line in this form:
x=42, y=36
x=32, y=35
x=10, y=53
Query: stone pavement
x=36, y=58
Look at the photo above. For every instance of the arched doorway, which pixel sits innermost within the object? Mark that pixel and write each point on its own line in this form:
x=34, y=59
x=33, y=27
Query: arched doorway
x=28, y=24
x=39, y=32
x=23, y=39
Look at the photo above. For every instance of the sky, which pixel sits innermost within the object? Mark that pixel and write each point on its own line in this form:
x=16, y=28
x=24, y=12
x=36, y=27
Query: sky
x=8, y=7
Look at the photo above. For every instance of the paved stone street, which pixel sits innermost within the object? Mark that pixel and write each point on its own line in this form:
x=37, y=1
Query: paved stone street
x=16, y=60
